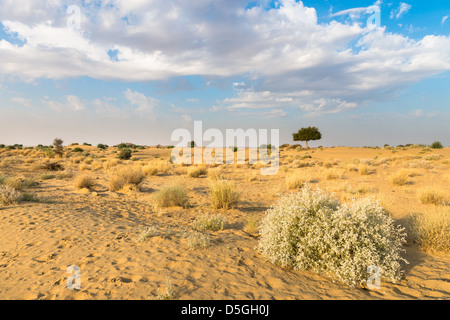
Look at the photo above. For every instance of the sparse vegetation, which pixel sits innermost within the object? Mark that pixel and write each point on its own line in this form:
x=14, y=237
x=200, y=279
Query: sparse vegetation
x=431, y=195
x=8, y=195
x=222, y=194
x=431, y=230
x=171, y=196
x=84, y=181
x=400, y=178
x=126, y=176
x=209, y=222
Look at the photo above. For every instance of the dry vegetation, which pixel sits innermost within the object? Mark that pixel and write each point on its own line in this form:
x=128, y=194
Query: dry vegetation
x=204, y=222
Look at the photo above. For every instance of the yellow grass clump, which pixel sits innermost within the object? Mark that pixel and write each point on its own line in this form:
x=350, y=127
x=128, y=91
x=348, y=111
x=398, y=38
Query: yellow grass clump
x=400, y=178
x=431, y=230
x=126, y=176
x=222, y=194
x=295, y=180
x=215, y=173
x=195, y=172
x=84, y=181
x=171, y=196
x=150, y=170
x=431, y=195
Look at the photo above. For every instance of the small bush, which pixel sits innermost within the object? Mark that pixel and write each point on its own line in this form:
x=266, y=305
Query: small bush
x=195, y=172
x=15, y=183
x=432, y=195
x=363, y=169
x=171, y=196
x=150, y=170
x=252, y=226
x=125, y=154
x=147, y=233
x=431, y=230
x=400, y=178
x=84, y=181
x=52, y=166
x=310, y=230
x=78, y=149
x=436, y=145
x=214, y=173
x=9, y=195
x=197, y=240
x=30, y=197
x=295, y=181
x=126, y=176
x=209, y=222
x=222, y=194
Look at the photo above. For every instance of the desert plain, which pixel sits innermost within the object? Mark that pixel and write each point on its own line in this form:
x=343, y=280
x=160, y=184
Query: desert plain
x=127, y=246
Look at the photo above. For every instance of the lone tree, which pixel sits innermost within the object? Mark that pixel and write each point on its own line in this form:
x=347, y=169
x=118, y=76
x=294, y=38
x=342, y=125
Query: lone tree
x=58, y=147
x=307, y=134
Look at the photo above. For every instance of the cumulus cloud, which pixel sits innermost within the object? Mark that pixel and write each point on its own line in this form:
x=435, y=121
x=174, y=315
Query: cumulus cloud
x=281, y=52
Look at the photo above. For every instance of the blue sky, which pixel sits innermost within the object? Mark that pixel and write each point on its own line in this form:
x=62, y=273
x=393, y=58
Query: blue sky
x=134, y=71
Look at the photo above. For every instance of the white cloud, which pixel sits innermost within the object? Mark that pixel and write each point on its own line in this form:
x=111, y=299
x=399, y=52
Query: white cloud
x=400, y=11
x=145, y=105
x=285, y=49
x=444, y=19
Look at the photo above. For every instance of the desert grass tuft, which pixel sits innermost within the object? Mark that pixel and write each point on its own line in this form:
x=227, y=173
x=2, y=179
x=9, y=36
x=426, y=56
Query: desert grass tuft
x=432, y=195
x=171, y=196
x=84, y=181
x=399, y=178
x=198, y=240
x=9, y=195
x=431, y=230
x=222, y=194
x=209, y=222
x=295, y=180
x=195, y=172
x=131, y=176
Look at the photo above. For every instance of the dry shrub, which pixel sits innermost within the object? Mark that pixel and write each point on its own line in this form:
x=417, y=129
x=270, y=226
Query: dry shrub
x=222, y=194
x=252, y=226
x=110, y=163
x=195, y=172
x=215, y=173
x=84, y=181
x=432, y=195
x=171, y=196
x=209, y=222
x=15, y=183
x=431, y=230
x=399, y=178
x=295, y=180
x=150, y=170
x=363, y=169
x=9, y=195
x=126, y=176
x=332, y=175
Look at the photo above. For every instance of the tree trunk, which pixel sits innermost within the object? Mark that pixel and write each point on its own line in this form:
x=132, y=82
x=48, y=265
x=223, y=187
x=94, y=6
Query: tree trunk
x=307, y=144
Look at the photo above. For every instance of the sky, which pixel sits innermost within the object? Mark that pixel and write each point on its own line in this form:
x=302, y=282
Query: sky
x=366, y=73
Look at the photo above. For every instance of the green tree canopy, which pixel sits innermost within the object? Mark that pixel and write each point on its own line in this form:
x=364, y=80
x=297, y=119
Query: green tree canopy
x=307, y=134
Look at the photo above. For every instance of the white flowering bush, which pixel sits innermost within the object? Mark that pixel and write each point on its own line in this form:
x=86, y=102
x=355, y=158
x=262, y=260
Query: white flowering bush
x=310, y=230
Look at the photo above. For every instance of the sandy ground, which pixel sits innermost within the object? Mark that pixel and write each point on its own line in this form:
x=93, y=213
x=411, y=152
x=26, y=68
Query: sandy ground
x=97, y=231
